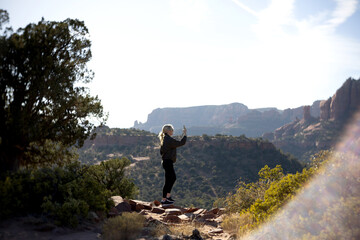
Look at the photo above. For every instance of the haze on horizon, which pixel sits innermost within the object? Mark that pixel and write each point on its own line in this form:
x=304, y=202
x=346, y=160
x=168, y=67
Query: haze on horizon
x=182, y=53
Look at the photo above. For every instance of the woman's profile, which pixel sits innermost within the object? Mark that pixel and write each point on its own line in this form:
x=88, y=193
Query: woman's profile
x=168, y=155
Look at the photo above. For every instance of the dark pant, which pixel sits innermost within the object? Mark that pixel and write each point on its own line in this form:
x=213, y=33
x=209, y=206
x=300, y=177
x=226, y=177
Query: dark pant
x=170, y=176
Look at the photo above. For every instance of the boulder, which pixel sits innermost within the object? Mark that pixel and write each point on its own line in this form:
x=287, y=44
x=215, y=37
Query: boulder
x=117, y=199
x=137, y=205
x=156, y=203
x=123, y=207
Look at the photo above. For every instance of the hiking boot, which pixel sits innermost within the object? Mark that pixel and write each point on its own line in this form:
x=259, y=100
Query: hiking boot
x=166, y=203
x=170, y=199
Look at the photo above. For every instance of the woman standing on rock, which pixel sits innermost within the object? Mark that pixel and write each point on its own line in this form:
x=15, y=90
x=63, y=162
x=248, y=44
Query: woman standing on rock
x=168, y=155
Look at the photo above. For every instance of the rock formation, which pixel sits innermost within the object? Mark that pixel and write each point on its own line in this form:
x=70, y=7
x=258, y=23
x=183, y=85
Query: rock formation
x=325, y=110
x=307, y=116
x=343, y=103
x=309, y=135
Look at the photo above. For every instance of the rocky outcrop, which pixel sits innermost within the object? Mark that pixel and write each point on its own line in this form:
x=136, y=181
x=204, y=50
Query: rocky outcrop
x=343, y=103
x=157, y=215
x=307, y=116
x=325, y=109
x=310, y=134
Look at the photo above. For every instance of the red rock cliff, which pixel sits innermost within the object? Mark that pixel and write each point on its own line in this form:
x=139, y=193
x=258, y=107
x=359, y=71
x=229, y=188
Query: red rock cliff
x=345, y=101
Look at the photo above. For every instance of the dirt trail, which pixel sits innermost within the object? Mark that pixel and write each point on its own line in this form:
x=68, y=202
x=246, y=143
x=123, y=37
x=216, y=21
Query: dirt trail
x=30, y=228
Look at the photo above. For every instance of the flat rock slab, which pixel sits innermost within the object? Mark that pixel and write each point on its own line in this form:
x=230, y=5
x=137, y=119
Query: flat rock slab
x=216, y=231
x=191, y=210
x=157, y=210
x=199, y=211
x=184, y=218
x=168, y=206
x=173, y=211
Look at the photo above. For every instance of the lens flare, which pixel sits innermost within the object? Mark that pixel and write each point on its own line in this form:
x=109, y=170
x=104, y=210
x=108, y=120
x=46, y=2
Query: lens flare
x=329, y=206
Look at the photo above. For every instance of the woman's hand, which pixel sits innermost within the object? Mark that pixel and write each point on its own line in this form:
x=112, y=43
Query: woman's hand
x=184, y=131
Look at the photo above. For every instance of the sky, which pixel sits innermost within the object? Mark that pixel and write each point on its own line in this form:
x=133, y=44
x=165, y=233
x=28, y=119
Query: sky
x=182, y=53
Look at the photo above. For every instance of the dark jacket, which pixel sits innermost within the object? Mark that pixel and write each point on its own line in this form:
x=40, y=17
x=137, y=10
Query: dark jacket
x=168, y=148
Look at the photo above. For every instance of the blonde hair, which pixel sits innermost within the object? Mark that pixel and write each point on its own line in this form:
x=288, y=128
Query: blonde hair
x=165, y=129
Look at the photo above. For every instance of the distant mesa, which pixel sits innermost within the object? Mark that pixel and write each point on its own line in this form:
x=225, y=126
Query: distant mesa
x=231, y=119
x=299, y=131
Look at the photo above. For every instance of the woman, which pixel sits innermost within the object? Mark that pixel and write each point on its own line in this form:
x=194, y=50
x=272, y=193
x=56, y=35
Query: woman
x=168, y=155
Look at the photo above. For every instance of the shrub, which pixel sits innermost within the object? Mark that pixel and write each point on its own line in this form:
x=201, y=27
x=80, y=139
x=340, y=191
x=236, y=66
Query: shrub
x=65, y=194
x=111, y=174
x=255, y=203
x=278, y=194
x=14, y=196
x=247, y=194
x=127, y=226
x=68, y=213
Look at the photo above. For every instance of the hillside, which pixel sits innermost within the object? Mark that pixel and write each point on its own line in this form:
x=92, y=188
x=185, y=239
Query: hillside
x=231, y=119
x=207, y=167
x=311, y=134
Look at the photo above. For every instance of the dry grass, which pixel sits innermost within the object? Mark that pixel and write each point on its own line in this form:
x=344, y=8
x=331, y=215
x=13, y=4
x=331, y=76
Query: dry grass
x=238, y=224
x=157, y=229
x=127, y=226
x=185, y=228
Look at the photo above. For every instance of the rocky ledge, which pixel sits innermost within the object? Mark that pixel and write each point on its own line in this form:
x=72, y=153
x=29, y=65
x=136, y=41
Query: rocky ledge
x=166, y=216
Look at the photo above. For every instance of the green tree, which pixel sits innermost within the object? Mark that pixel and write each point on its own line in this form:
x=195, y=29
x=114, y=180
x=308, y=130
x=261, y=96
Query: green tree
x=111, y=174
x=42, y=95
